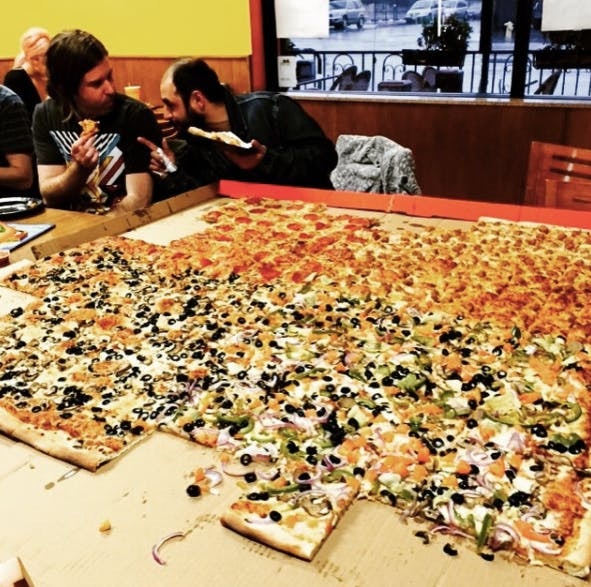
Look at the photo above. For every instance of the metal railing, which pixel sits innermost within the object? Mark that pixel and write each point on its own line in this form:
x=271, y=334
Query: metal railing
x=321, y=70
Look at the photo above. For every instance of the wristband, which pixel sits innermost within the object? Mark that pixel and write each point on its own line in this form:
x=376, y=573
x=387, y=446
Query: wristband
x=168, y=164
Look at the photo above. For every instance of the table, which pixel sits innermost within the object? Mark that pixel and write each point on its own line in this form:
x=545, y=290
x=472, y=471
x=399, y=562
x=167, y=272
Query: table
x=65, y=221
x=51, y=512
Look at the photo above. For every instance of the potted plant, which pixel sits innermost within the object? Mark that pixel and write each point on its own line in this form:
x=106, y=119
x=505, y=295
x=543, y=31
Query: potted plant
x=567, y=49
x=444, y=45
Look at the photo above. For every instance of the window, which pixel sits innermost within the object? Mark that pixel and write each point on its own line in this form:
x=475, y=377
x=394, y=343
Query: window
x=503, y=51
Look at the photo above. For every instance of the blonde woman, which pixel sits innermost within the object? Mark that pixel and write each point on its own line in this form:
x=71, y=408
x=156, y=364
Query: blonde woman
x=28, y=77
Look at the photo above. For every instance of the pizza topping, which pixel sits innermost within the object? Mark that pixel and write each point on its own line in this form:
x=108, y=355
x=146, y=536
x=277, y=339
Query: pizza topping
x=156, y=548
x=326, y=361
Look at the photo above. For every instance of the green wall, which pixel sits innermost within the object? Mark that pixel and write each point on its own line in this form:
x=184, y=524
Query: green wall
x=151, y=28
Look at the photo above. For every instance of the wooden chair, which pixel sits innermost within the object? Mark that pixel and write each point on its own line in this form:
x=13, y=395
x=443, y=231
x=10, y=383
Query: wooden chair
x=559, y=162
x=574, y=195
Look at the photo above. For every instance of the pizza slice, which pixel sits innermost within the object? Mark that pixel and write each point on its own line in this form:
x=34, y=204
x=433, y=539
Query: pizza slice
x=9, y=234
x=227, y=138
x=89, y=127
x=295, y=516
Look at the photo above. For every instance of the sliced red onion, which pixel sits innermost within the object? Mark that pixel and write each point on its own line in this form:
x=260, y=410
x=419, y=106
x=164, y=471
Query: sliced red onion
x=236, y=469
x=545, y=547
x=516, y=442
x=453, y=530
x=213, y=476
x=273, y=423
x=500, y=534
x=267, y=474
x=225, y=440
x=478, y=457
x=156, y=548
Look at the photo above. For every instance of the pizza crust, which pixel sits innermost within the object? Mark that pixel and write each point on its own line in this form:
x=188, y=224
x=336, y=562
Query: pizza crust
x=274, y=535
x=225, y=137
x=56, y=443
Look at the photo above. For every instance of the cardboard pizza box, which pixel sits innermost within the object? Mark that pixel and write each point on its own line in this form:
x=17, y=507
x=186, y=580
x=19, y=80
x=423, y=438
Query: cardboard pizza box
x=62, y=536
x=127, y=222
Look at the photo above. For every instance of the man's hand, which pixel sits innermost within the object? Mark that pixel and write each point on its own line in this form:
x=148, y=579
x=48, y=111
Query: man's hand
x=247, y=159
x=158, y=156
x=84, y=153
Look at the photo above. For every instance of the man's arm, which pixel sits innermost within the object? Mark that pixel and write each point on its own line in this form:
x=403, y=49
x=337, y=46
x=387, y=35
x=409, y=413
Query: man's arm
x=19, y=173
x=139, y=187
x=61, y=184
x=305, y=155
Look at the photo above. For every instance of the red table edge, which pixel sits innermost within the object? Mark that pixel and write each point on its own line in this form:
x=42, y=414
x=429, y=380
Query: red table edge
x=421, y=206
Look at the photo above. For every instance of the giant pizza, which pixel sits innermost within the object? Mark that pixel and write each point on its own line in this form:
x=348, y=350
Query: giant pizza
x=444, y=373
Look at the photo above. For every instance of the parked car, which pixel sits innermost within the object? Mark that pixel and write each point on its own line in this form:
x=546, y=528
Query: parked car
x=422, y=11
x=457, y=8
x=343, y=13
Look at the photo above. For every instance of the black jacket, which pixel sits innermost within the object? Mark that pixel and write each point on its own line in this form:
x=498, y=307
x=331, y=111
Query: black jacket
x=298, y=151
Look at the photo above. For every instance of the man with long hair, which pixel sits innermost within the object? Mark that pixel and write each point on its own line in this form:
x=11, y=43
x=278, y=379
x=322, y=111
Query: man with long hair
x=104, y=170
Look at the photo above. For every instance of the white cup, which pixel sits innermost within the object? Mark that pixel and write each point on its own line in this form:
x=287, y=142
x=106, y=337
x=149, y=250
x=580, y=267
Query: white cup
x=133, y=91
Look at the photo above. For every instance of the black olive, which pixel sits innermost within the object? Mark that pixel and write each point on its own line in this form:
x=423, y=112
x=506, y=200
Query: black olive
x=250, y=477
x=194, y=490
x=245, y=459
x=458, y=498
x=450, y=550
x=539, y=430
x=487, y=556
x=275, y=515
x=424, y=536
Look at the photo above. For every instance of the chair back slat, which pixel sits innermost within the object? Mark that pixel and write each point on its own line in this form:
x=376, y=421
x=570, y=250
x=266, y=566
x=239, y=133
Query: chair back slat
x=558, y=162
x=574, y=195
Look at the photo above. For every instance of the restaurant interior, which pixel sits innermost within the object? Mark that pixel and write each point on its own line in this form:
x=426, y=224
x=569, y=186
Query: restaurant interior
x=482, y=153
x=465, y=147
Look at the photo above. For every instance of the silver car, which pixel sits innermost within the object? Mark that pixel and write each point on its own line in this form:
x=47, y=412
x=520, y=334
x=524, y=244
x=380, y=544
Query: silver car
x=422, y=11
x=343, y=13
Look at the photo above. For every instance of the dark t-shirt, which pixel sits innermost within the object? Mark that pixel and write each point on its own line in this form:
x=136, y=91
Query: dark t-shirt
x=15, y=133
x=18, y=81
x=119, y=152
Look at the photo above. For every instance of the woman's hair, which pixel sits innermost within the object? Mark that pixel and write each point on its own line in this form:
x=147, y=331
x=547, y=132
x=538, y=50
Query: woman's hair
x=33, y=42
x=194, y=74
x=70, y=56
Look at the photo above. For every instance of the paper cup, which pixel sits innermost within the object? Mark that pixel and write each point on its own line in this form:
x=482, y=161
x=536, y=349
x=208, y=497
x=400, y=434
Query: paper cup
x=133, y=91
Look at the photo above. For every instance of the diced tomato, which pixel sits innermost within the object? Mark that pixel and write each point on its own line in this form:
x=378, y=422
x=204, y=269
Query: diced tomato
x=463, y=468
x=530, y=397
x=398, y=464
x=497, y=467
x=529, y=533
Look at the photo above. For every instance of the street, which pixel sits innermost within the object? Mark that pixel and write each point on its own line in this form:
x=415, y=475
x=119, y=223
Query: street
x=394, y=36
x=386, y=36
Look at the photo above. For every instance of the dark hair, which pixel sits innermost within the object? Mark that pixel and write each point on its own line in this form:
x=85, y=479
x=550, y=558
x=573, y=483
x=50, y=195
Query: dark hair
x=70, y=56
x=194, y=74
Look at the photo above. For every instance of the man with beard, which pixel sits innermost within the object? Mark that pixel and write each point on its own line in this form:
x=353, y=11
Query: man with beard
x=104, y=169
x=288, y=146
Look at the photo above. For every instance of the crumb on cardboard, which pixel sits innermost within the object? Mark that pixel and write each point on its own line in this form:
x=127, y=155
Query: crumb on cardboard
x=105, y=526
